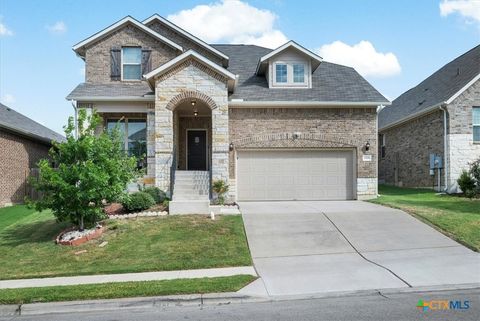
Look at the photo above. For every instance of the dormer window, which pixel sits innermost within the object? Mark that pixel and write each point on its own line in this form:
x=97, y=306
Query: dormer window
x=131, y=63
x=281, y=73
x=299, y=73
x=290, y=74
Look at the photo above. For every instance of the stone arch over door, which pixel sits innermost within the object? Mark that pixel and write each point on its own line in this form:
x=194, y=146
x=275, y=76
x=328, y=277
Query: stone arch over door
x=191, y=95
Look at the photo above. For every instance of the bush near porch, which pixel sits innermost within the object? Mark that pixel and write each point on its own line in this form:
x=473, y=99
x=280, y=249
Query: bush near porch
x=28, y=250
x=453, y=215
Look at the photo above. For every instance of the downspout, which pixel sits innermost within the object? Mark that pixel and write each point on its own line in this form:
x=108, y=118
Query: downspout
x=445, y=144
x=74, y=105
x=379, y=109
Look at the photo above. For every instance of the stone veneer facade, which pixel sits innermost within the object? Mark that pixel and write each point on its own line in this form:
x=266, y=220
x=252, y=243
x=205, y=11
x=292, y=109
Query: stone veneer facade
x=318, y=128
x=462, y=150
x=190, y=80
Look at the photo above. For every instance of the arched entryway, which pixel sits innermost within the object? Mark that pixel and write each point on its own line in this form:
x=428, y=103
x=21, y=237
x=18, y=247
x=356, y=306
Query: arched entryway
x=192, y=135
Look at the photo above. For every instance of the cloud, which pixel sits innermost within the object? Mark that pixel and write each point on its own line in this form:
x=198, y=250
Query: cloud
x=4, y=31
x=231, y=21
x=8, y=99
x=363, y=57
x=469, y=9
x=57, y=28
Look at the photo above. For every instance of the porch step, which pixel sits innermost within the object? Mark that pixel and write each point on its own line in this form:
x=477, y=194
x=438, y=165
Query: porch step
x=189, y=207
x=191, y=193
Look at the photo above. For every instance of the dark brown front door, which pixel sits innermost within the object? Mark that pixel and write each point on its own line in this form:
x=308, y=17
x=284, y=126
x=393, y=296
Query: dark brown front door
x=196, y=150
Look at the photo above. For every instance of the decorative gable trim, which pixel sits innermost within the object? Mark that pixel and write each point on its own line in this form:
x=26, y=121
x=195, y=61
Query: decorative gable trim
x=187, y=35
x=191, y=55
x=315, y=59
x=127, y=20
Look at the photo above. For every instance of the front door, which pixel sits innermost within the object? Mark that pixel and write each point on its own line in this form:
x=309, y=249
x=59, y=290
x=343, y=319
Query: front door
x=196, y=150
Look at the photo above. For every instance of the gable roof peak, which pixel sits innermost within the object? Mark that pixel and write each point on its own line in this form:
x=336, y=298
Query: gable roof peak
x=188, y=35
x=79, y=47
x=316, y=59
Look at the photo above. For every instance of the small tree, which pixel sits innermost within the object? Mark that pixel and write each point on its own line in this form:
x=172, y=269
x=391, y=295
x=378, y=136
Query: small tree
x=92, y=169
x=475, y=173
x=220, y=188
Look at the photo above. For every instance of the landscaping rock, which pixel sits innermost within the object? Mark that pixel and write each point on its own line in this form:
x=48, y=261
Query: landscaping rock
x=103, y=244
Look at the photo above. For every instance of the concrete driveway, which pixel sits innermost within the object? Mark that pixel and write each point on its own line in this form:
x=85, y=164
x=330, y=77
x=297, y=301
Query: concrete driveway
x=316, y=247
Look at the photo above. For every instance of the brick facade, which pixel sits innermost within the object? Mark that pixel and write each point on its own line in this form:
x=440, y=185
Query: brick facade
x=97, y=54
x=18, y=155
x=407, y=151
x=318, y=128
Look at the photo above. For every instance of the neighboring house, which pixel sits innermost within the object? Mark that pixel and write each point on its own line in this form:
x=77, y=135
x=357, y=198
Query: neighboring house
x=23, y=142
x=439, y=116
x=273, y=124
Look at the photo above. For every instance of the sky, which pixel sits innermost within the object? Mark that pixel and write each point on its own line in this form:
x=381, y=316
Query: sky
x=393, y=44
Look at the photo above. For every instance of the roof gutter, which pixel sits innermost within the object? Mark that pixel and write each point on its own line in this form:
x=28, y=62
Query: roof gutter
x=115, y=98
x=27, y=134
x=423, y=112
x=261, y=104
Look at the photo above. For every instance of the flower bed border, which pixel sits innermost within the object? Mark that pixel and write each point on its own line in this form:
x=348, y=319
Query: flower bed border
x=139, y=214
x=96, y=234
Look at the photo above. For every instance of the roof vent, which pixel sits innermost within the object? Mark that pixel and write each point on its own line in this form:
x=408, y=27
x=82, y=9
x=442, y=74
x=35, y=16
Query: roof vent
x=421, y=103
x=425, y=89
x=458, y=71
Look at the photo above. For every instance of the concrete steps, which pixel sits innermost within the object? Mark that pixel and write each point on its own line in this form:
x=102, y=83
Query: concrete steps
x=191, y=193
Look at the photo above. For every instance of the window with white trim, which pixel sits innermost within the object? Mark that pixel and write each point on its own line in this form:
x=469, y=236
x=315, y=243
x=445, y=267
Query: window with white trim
x=290, y=74
x=476, y=124
x=131, y=63
x=298, y=73
x=281, y=73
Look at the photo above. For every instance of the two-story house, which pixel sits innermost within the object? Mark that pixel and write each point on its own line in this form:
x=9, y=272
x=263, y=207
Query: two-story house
x=273, y=124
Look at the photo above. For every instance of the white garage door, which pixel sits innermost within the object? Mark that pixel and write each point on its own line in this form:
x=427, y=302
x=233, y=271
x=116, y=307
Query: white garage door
x=295, y=175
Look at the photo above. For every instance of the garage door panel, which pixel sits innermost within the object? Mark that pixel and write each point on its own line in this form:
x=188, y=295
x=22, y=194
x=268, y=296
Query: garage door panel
x=295, y=175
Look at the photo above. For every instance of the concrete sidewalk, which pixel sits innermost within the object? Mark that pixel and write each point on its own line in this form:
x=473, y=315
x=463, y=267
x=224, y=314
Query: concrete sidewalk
x=127, y=277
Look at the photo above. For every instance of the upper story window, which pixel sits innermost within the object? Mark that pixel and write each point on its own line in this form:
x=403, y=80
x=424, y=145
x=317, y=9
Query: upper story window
x=131, y=63
x=299, y=73
x=290, y=74
x=476, y=124
x=281, y=73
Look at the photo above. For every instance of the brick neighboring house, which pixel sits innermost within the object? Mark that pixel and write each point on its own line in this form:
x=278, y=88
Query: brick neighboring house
x=274, y=124
x=441, y=116
x=23, y=142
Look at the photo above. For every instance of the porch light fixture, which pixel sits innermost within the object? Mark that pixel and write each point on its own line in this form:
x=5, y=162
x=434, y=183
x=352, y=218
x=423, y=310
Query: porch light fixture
x=193, y=102
x=367, y=145
x=195, y=113
x=230, y=147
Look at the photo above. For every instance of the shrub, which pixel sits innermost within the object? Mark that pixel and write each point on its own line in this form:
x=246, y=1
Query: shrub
x=92, y=169
x=138, y=201
x=165, y=203
x=157, y=194
x=220, y=188
x=467, y=184
x=475, y=173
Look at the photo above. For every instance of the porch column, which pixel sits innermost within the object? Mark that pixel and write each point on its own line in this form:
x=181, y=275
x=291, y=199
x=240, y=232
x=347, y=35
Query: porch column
x=149, y=179
x=220, y=140
x=163, y=144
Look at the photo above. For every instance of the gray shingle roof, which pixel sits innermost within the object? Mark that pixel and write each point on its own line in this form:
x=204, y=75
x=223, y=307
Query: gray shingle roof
x=330, y=82
x=114, y=89
x=14, y=121
x=436, y=89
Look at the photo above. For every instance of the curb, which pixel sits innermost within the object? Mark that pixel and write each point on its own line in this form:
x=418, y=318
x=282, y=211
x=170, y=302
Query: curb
x=128, y=303
x=210, y=299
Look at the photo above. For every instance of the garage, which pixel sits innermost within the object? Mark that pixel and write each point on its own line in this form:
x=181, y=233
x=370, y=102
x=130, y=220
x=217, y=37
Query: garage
x=295, y=175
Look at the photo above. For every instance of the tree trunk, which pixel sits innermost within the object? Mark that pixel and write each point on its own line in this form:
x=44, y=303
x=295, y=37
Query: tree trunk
x=81, y=223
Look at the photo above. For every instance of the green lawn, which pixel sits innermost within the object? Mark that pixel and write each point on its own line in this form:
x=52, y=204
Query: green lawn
x=455, y=216
x=124, y=290
x=27, y=247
